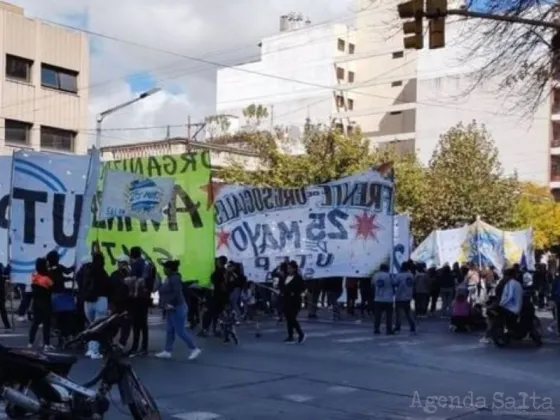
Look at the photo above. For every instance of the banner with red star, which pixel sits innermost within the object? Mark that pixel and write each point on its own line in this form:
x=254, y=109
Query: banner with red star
x=341, y=228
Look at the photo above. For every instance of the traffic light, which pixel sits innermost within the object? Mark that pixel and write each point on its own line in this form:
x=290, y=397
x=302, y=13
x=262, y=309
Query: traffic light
x=413, y=30
x=436, y=30
x=436, y=10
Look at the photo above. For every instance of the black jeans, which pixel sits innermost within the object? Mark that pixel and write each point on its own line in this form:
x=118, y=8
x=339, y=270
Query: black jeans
x=4, y=314
x=141, y=307
x=380, y=309
x=291, y=310
x=41, y=315
x=404, y=306
x=216, y=306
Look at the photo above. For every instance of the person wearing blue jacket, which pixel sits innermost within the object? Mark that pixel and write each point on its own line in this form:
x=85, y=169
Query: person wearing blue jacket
x=382, y=283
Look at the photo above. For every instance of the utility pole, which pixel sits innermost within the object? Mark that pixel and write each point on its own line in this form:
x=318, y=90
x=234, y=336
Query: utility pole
x=189, y=127
x=436, y=11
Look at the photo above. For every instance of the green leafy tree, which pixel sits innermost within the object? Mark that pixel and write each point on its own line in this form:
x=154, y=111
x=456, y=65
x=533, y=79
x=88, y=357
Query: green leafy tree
x=537, y=208
x=465, y=179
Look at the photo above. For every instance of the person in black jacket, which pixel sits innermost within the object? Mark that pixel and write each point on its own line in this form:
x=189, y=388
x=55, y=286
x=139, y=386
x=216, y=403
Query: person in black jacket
x=291, y=287
x=95, y=292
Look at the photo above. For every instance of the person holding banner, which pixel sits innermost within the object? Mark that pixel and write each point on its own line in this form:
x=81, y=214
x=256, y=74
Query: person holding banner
x=291, y=287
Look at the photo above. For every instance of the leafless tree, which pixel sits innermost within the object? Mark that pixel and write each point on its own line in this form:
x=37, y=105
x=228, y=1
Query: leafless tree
x=520, y=57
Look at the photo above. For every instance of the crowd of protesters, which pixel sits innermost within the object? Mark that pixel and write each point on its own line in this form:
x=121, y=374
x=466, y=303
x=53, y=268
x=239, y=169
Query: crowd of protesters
x=458, y=292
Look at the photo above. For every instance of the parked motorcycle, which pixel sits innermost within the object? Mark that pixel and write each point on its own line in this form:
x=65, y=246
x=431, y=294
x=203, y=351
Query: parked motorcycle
x=35, y=384
x=507, y=327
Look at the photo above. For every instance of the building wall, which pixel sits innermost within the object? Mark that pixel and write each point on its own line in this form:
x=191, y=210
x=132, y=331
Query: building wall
x=447, y=95
x=307, y=55
x=30, y=102
x=385, y=108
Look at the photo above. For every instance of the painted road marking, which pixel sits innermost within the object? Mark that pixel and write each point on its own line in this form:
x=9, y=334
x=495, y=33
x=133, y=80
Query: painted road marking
x=342, y=390
x=197, y=415
x=353, y=340
x=298, y=398
x=333, y=333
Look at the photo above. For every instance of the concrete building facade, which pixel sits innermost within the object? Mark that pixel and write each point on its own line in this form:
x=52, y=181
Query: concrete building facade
x=44, y=74
x=314, y=69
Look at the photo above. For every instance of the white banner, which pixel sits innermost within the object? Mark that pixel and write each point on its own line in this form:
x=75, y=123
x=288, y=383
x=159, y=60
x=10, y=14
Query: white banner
x=426, y=252
x=126, y=194
x=343, y=228
x=451, y=245
x=401, y=245
x=5, y=183
x=86, y=218
x=46, y=206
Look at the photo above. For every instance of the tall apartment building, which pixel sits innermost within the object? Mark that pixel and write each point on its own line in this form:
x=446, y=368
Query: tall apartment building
x=44, y=73
x=405, y=99
x=314, y=68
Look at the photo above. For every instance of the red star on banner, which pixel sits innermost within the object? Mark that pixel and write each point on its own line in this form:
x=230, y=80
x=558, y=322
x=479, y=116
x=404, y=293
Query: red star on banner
x=366, y=226
x=212, y=190
x=223, y=239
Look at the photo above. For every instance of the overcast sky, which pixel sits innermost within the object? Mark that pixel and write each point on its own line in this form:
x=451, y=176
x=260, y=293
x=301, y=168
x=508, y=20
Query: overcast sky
x=222, y=31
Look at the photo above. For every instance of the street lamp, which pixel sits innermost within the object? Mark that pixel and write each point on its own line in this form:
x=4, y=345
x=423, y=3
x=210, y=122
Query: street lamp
x=101, y=116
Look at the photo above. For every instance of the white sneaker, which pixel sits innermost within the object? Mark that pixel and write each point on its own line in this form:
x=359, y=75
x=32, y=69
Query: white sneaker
x=163, y=355
x=484, y=340
x=22, y=318
x=95, y=356
x=48, y=348
x=89, y=353
x=194, y=354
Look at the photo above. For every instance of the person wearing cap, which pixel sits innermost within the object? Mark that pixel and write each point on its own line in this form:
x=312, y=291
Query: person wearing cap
x=172, y=299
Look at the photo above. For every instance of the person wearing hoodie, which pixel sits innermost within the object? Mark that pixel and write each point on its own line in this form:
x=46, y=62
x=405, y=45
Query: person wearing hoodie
x=95, y=291
x=173, y=301
x=41, y=286
x=421, y=291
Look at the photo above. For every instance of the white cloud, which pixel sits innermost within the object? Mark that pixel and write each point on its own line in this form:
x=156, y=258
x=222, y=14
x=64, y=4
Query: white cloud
x=216, y=30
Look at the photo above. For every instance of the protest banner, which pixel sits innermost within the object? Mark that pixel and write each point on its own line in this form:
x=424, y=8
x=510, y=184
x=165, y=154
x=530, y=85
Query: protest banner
x=47, y=194
x=186, y=231
x=5, y=186
x=401, y=241
x=342, y=228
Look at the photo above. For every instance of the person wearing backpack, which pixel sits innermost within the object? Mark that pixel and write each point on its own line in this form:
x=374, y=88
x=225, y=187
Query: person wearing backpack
x=95, y=289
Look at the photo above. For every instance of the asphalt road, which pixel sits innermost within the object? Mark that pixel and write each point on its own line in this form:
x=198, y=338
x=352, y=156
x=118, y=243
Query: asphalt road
x=343, y=372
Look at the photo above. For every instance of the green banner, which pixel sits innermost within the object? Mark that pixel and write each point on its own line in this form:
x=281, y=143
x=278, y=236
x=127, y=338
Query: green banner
x=187, y=230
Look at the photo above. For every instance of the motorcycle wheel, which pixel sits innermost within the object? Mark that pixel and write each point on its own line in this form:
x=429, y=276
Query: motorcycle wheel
x=143, y=406
x=536, y=333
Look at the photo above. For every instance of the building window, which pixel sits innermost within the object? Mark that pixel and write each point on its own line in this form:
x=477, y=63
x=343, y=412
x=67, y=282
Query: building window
x=555, y=168
x=397, y=83
x=18, y=68
x=398, y=54
x=339, y=127
x=339, y=101
x=57, y=78
x=55, y=138
x=340, y=73
x=17, y=132
x=395, y=112
x=341, y=44
x=350, y=77
x=350, y=103
x=351, y=48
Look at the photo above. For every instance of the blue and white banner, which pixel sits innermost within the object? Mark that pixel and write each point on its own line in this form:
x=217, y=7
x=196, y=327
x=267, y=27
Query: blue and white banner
x=343, y=228
x=5, y=185
x=402, y=242
x=479, y=243
x=86, y=218
x=127, y=194
x=46, y=206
